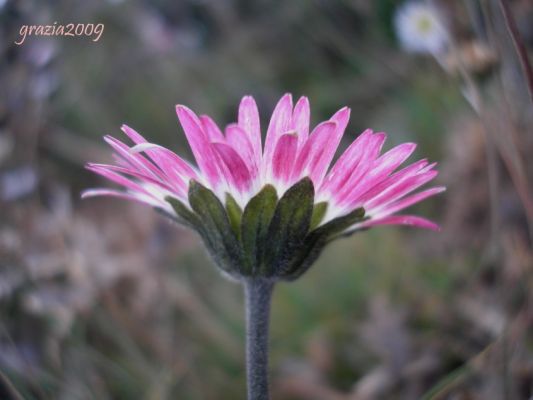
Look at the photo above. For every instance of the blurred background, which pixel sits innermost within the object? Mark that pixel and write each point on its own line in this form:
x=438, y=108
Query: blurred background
x=104, y=299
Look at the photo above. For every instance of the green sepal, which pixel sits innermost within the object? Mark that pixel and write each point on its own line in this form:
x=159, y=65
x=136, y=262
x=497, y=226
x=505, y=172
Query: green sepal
x=319, y=211
x=269, y=238
x=288, y=227
x=338, y=225
x=349, y=233
x=216, y=228
x=254, y=227
x=184, y=215
x=304, y=258
x=234, y=214
x=317, y=239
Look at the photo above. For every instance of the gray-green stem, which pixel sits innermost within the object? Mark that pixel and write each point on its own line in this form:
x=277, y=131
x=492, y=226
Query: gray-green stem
x=258, y=293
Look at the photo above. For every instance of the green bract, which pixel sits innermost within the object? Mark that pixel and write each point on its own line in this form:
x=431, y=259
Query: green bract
x=272, y=238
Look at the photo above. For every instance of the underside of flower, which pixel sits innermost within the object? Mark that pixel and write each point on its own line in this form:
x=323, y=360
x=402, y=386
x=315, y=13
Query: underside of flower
x=269, y=210
x=271, y=237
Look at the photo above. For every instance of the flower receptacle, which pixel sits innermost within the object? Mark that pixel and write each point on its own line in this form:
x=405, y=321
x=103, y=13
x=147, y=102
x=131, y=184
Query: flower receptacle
x=273, y=238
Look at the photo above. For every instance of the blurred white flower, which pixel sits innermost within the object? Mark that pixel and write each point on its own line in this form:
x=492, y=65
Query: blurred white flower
x=421, y=28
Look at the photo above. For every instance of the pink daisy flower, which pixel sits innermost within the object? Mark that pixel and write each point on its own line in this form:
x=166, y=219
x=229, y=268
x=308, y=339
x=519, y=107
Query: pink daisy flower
x=248, y=200
x=266, y=212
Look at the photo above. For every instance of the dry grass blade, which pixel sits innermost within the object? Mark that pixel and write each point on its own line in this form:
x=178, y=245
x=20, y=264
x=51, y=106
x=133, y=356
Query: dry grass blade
x=443, y=387
x=460, y=374
x=9, y=387
x=519, y=46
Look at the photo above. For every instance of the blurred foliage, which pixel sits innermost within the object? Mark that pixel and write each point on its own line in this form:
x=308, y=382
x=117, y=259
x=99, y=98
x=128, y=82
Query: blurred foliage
x=106, y=300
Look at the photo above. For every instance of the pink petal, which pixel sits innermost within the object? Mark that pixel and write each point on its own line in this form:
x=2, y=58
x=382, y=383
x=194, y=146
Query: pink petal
x=249, y=121
x=237, y=138
x=349, y=189
x=211, y=128
x=169, y=162
x=409, y=201
x=428, y=167
x=117, y=178
x=180, y=187
x=164, y=158
x=341, y=117
x=280, y=123
x=284, y=155
x=135, y=136
x=123, y=195
x=347, y=163
x=313, y=158
x=300, y=119
x=134, y=160
x=380, y=169
x=236, y=172
x=410, y=220
x=320, y=167
x=391, y=160
x=138, y=139
x=400, y=189
x=392, y=180
x=200, y=146
x=105, y=192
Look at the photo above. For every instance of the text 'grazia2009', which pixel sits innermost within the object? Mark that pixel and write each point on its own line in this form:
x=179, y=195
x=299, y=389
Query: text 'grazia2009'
x=94, y=31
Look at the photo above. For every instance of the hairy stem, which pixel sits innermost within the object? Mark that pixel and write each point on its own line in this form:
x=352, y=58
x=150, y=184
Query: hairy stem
x=258, y=293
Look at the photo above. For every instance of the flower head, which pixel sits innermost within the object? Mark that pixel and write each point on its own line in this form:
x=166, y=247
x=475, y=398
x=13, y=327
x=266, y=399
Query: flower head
x=269, y=210
x=421, y=28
